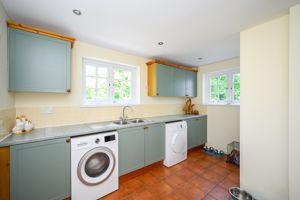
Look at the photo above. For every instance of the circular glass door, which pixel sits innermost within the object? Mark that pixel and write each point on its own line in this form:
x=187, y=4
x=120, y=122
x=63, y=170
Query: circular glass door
x=178, y=143
x=96, y=166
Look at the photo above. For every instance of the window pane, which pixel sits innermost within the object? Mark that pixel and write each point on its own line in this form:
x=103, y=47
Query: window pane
x=118, y=74
x=236, y=87
x=214, y=97
x=90, y=70
x=90, y=93
x=214, y=81
x=117, y=90
x=102, y=92
x=102, y=72
x=91, y=82
x=127, y=75
x=214, y=89
x=126, y=90
x=223, y=80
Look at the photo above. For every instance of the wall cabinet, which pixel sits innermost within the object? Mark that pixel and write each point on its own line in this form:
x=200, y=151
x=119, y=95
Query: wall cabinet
x=40, y=170
x=140, y=146
x=166, y=80
x=197, y=131
x=38, y=63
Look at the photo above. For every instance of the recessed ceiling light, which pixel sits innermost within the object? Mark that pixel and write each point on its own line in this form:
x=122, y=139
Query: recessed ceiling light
x=77, y=12
x=199, y=58
x=160, y=43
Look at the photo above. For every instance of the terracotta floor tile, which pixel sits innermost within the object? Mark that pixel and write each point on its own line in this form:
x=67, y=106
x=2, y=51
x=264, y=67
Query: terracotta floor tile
x=143, y=194
x=220, y=170
x=186, y=174
x=219, y=193
x=201, y=176
x=208, y=197
x=175, y=168
x=131, y=186
x=203, y=184
x=228, y=166
x=161, y=172
x=227, y=183
x=234, y=177
x=204, y=163
x=148, y=179
x=175, y=181
x=191, y=193
x=212, y=176
x=161, y=188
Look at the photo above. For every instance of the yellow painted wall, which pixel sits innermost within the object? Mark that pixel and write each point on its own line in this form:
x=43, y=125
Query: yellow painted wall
x=223, y=121
x=7, y=111
x=294, y=106
x=67, y=108
x=264, y=109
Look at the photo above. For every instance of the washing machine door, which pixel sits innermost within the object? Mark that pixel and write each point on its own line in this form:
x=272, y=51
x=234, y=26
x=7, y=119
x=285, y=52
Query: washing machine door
x=178, y=143
x=96, y=166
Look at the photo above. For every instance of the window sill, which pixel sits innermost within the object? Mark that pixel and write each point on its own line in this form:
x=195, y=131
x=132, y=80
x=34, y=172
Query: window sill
x=108, y=105
x=223, y=105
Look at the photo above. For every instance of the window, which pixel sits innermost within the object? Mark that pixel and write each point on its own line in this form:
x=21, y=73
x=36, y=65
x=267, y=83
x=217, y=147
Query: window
x=107, y=83
x=223, y=87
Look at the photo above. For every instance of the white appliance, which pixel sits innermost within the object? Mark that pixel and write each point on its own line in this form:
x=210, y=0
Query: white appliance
x=176, y=143
x=94, y=165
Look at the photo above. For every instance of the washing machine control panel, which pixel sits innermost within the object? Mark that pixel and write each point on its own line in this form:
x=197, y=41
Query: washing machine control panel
x=109, y=138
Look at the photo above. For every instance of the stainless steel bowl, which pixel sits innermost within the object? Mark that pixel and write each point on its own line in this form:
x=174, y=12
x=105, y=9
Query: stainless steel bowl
x=239, y=194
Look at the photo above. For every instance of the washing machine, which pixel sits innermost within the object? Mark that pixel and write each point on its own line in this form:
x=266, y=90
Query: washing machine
x=94, y=165
x=176, y=143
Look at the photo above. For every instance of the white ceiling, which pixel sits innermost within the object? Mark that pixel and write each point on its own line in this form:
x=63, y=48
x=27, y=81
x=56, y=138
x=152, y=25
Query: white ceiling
x=189, y=28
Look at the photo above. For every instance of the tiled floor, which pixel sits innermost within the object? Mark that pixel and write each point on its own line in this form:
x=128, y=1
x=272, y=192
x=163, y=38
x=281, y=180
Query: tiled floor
x=201, y=176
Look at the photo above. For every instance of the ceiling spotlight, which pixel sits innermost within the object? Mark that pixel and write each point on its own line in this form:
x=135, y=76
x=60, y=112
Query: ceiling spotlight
x=77, y=12
x=160, y=43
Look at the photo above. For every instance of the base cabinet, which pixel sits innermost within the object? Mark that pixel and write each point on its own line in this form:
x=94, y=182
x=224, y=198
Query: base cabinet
x=140, y=146
x=197, y=131
x=40, y=170
x=131, y=149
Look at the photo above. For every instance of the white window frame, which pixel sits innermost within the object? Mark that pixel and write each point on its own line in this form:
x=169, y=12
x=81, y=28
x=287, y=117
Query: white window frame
x=230, y=87
x=111, y=66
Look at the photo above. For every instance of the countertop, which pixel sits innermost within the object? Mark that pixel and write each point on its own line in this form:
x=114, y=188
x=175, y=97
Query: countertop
x=84, y=129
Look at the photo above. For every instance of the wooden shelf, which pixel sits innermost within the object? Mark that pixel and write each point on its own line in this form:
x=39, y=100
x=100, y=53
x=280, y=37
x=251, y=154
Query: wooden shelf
x=194, y=69
x=40, y=32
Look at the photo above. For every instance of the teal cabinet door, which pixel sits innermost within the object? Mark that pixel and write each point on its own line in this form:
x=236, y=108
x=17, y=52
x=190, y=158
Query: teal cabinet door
x=38, y=63
x=131, y=149
x=154, y=143
x=197, y=131
x=191, y=84
x=40, y=170
x=165, y=80
x=179, y=82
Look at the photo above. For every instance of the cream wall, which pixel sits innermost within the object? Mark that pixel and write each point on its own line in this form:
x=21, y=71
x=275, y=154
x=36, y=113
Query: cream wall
x=7, y=111
x=264, y=109
x=294, y=106
x=223, y=124
x=67, y=108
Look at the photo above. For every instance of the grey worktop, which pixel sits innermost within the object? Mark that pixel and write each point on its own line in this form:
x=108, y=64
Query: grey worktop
x=84, y=129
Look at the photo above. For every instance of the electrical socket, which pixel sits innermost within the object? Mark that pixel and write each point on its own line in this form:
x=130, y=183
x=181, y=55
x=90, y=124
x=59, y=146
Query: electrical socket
x=46, y=110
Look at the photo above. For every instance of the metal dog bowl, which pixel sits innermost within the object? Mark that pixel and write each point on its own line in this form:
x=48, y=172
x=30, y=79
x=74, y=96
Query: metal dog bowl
x=239, y=194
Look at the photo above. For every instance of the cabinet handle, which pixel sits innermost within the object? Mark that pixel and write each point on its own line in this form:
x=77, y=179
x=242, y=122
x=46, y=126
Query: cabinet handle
x=197, y=119
x=157, y=94
x=186, y=95
x=68, y=140
x=68, y=90
x=146, y=127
